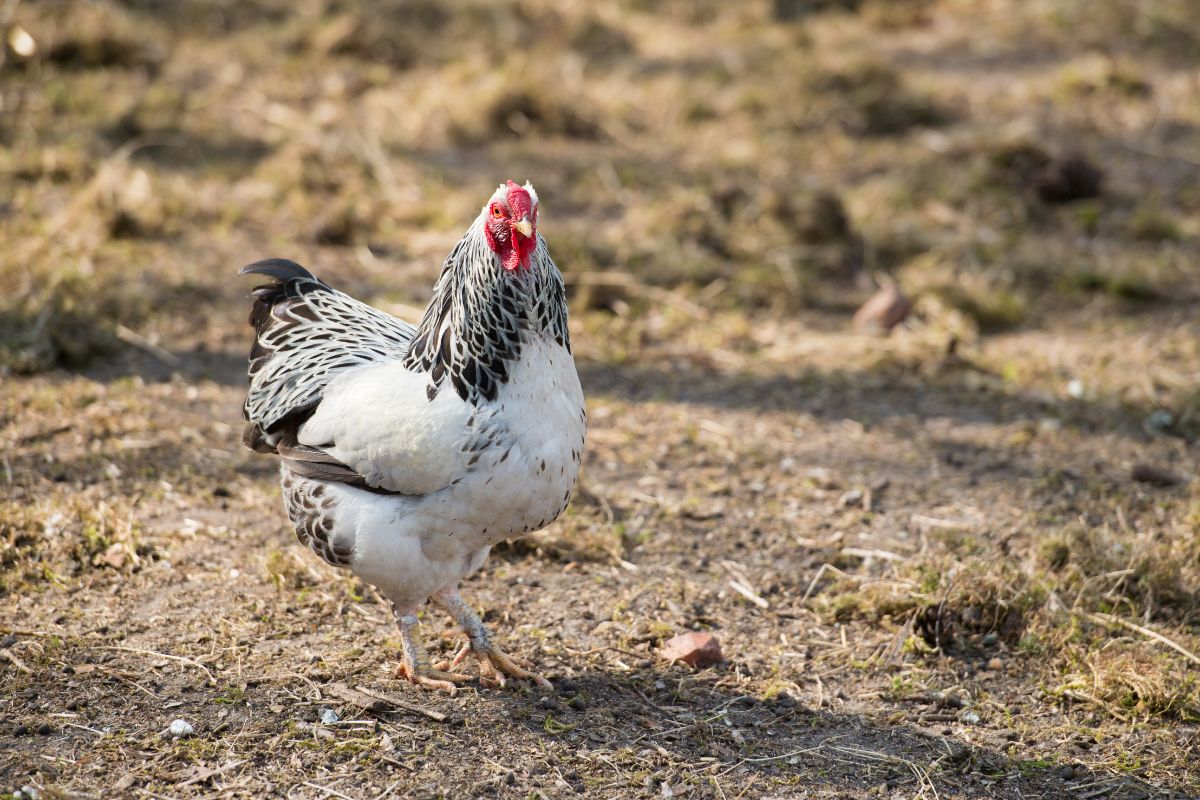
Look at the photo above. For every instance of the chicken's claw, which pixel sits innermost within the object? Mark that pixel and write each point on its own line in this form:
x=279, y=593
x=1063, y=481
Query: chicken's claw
x=431, y=677
x=494, y=664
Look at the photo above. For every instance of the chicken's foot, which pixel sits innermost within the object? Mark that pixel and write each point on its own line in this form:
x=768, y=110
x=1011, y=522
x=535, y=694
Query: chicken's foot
x=414, y=661
x=494, y=663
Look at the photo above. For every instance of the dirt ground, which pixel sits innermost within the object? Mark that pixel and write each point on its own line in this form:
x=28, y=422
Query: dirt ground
x=959, y=561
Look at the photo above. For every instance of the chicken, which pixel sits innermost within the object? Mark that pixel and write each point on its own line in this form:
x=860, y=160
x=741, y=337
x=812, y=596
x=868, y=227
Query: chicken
x=408, y=452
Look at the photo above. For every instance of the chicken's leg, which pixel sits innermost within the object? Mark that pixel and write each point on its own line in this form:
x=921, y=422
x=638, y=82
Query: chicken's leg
x=414, y=662
x=494, y=663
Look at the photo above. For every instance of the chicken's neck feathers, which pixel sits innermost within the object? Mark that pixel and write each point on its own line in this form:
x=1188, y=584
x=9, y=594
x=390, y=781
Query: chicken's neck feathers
x=480, y=313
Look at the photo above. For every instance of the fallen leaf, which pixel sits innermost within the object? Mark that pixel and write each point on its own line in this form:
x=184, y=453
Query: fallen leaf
x=696, y=649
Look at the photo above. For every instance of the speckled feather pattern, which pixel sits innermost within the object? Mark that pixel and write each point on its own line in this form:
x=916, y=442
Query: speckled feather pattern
x=408, y=452
x=472, y=331
x=311, y=509
x=309, y=333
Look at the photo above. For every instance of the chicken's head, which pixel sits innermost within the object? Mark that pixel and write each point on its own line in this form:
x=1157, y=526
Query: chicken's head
x=510, y=224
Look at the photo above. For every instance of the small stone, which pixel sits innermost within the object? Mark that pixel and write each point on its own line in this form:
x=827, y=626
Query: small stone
x=1155, y=476
x=1066, y=772
x=886, y=309
x=114, y=556
x=181, y=727
x=329, y=716
x=947, y=700
x=851, y=498
x=1159, y=421
x=822, y=477
x=1076, y=389
x=696, y=649
x=989, y=639
x=1067, y=179
x=970, y=718
x=323, y=733
x=995, y=664
x=44, y=729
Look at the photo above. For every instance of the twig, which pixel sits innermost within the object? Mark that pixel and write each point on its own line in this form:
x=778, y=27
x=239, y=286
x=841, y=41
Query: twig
x=436, y=716
x=921, y=775
x=753, y=779
x=1087, y=698
x=329, y=791
x=212, y=772
x=7, y=631
x=167, y=656
x=748, y=593
x=154, y=795
x=922, y=521
x=861, y=552
x=1158, y=637
x=131, y=682
x=821, y=571
x=16, y=662
x=362, y=612
x=282, y=676
x=389, y=789
x=135, y=339
x=780, y=757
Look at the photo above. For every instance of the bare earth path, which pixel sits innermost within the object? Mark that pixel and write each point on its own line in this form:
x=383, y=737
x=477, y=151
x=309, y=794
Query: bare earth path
x=959, y=561
x=217, y=617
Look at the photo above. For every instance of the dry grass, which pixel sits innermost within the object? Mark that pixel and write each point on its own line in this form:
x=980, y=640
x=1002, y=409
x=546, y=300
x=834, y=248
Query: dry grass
x=927, y=558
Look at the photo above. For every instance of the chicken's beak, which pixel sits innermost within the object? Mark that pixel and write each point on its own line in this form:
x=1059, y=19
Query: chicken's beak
x=524, y=227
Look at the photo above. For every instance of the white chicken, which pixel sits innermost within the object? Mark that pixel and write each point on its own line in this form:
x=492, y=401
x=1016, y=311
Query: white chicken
x=408, y=452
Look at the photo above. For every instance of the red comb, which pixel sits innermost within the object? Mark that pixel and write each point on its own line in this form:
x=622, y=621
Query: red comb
x=519, y=201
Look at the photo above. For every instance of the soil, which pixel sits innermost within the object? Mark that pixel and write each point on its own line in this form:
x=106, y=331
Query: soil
x=928, y=558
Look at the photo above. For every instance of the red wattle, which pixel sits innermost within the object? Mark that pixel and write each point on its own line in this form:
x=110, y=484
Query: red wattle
x=511, y=258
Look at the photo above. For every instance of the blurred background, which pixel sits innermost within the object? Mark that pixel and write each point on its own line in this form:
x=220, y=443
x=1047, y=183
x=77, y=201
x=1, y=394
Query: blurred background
x=1009, y=164
x=886, y=311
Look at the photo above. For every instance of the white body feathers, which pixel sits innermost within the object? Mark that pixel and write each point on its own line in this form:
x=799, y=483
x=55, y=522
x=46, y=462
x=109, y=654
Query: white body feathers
x=409, y=451
x=408, y=546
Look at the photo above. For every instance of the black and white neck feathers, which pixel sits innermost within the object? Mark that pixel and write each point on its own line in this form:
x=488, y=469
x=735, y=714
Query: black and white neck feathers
x=480, y=315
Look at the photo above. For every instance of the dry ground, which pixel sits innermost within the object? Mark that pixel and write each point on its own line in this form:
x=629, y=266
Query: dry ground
x=960, y=561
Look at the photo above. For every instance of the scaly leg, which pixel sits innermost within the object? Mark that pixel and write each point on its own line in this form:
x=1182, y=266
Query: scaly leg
x=494, y=663
x=414, y=663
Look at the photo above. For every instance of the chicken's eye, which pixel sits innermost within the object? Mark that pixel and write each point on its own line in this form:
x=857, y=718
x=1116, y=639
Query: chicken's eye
x=497, y=212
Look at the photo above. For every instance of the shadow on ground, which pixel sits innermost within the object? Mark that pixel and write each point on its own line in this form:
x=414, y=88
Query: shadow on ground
x=645, y=733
